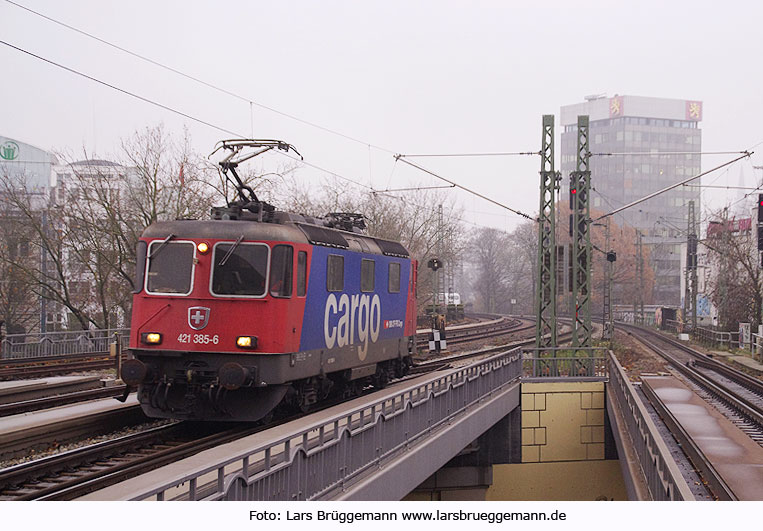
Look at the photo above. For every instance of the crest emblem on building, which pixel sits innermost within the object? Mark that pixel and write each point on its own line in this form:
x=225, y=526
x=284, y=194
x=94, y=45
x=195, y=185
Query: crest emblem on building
x=9, y=150
x=694, y=110
x=198, y=317
x=616, y=106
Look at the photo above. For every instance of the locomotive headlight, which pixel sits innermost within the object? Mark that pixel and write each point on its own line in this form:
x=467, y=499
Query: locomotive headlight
x=151, y=338
x=248, y=342
x=203, y=247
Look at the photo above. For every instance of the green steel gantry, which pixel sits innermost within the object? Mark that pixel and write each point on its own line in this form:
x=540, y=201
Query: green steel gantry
x=545, y=287
x=580, y=186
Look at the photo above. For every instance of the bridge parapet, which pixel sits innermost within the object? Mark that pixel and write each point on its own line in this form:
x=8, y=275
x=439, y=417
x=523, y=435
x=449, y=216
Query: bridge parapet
x=381, y=450
x=51, y=344
x=645, y=455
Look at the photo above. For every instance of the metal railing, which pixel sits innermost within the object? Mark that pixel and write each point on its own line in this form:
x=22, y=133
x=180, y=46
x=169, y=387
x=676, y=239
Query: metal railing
x=563, y=362
x=676, y=327
x=756, y=347
x=715, y=338
x=321, y=459
x=661, y=473
x=22, y=346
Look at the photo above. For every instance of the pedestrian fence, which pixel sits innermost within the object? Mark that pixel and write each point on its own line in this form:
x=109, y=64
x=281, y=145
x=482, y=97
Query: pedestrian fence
x=51, y=344
x=556, y=362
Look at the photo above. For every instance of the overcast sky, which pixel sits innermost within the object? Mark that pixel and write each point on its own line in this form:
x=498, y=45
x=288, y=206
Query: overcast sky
x=404, y=77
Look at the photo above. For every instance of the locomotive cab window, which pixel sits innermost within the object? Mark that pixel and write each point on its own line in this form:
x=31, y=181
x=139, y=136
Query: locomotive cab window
x=393, y=284
x=281, y=270
x=239, y=269
x=170, y=267
x=335, y=273
x=367, y=269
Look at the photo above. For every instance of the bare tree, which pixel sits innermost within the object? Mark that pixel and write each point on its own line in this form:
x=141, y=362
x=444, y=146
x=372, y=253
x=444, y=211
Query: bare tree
x=736, y=283
x=489, y=252
x=18, y=310
x=411, y=219
x=87, y=233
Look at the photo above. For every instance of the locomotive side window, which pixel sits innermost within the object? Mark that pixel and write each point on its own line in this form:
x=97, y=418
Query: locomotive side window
x=281, y=270
x=301, y=274
x=367, y=269
x=170, y=267
x=393, y=285
x=335, y=273
x=239, y=270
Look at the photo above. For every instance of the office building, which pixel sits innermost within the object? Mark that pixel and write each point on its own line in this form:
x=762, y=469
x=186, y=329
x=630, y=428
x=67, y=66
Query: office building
x=629, y=137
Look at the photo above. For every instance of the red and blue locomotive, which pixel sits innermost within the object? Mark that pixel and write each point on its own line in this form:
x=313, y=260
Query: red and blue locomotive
x=256, y=308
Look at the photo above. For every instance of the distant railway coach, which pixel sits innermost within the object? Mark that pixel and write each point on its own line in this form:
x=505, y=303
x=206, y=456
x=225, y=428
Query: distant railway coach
x=257, y=309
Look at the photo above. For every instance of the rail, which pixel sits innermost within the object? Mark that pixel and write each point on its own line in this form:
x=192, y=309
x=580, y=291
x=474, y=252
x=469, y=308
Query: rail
x=660, y=471
x=23, y=346
x=325, y=459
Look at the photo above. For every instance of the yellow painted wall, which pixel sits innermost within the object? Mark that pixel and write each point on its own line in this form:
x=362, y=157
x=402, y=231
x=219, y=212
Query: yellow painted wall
x=562, y=450
x=562, y=421
x=569, y=481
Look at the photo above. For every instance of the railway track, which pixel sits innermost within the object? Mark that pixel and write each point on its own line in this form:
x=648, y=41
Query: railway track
x=23, y=368
x=495, y=328
x=37, y=404
x=77, y=472
x=734, y=393
x=18, y=369
x=714, y=414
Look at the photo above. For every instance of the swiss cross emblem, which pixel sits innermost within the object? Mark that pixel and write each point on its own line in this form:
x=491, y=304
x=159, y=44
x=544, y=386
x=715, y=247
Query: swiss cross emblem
x=198, y=317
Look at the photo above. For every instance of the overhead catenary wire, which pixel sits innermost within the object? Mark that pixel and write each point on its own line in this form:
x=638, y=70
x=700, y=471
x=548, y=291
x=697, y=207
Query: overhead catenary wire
x=497, y=154
x=433, y=174
x=207, y=84
x=250, y=101
x=719, y=187
x=669, y=153
x=203, y=122
x=413, y=189
x=173, y=110
x=123, y=91
x=676, y=185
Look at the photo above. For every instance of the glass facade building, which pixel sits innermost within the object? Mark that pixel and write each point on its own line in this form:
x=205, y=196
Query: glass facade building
x=630, y=138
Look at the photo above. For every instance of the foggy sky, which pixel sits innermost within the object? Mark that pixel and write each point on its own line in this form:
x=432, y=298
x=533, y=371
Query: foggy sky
x=408, y=77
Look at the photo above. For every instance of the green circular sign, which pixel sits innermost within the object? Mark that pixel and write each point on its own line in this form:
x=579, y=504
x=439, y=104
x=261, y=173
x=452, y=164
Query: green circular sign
x=9, y=150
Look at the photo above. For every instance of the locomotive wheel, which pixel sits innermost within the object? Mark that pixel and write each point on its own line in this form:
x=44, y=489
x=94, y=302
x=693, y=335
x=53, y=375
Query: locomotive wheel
x=381, y=378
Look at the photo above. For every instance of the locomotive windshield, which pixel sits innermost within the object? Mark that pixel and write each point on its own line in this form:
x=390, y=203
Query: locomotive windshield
x=170, y=267
x=243, y=272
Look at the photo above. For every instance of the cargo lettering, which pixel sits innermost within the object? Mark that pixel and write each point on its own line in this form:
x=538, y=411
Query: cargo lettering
x=360, y=313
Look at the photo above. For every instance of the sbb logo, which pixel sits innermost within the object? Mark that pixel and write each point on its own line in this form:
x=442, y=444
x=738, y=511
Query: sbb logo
x=356, y=312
